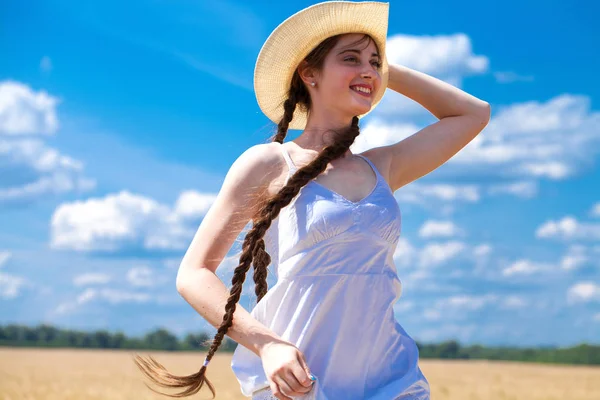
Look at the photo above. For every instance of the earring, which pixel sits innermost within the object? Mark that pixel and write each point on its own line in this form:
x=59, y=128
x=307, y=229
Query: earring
x=312, y=84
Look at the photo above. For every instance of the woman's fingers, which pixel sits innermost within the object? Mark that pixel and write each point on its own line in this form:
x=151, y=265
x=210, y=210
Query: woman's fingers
x=282, y=389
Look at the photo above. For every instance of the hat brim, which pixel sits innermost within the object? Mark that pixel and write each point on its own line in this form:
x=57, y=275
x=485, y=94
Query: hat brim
x=299, y=34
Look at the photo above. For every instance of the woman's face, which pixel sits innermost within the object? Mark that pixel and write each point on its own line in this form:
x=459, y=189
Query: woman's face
x=346, y=66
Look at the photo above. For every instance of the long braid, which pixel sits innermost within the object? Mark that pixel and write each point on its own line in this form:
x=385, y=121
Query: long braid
x=262, y=258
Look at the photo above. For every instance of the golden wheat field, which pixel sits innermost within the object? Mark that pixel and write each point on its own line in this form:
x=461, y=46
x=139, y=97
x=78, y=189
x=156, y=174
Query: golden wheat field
x=68, y=374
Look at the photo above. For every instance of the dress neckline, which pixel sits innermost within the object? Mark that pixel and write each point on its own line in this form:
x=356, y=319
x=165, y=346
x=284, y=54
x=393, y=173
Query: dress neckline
x=344, y=198
x=378, y=178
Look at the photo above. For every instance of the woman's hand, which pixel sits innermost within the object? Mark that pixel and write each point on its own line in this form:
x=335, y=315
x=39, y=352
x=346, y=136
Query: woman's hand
x=286, y=370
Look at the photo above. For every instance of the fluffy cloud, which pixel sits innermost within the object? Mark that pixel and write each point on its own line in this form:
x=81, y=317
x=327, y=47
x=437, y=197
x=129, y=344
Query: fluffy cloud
x=126, y=221
x=595, y=212
x=523, y=144
x=92, y=278
x=568, y=228
x=532, y=140
x=525, y=267
x=192, y=204
x=4, y=257
x=433, y=229
x=11, y=285
x=460, y=307
x=583, y=292
x=29, y=169
x=447, y=57
x=578, y=255
x=513, y=302
x=24, y=111
x=523, y=189
x=436, y=254
x=381, y=133
x=142, y=276
x=553, y=139
x=107, y=295
x=436, y=193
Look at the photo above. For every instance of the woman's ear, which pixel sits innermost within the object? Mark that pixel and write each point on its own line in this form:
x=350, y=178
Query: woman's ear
x=306, y=74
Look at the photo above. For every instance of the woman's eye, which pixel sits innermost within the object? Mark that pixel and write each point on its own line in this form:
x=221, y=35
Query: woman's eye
x=377, y=64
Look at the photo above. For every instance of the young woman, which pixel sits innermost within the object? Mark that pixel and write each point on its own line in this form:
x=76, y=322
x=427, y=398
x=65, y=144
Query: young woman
x=324, y=219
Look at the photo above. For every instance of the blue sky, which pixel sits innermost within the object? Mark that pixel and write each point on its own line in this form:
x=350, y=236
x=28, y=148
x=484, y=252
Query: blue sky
x=119, y=121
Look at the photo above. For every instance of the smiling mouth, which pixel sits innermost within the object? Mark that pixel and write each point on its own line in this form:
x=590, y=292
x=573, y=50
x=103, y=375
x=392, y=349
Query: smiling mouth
x=359, y=91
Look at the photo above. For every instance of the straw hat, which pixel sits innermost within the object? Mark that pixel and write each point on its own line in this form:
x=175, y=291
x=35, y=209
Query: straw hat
x=298, y=35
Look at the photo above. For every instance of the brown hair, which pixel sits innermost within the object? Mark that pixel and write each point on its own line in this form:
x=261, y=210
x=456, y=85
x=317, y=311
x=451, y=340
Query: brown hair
x=253, y=248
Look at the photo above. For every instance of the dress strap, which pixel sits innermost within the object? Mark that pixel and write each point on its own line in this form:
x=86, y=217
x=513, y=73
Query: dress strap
x=288, y=159
x=375, y=170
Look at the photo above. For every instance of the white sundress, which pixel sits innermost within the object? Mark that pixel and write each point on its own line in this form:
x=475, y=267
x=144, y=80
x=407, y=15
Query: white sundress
x=334, y=296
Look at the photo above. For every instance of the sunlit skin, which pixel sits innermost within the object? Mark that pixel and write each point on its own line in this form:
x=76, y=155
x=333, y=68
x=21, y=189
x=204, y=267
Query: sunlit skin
x=334, y=103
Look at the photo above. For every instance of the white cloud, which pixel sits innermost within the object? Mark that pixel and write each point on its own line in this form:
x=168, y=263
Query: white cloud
x=583, y=292
x=480, y=254
x=172, y=263
x=447, y=57
x=525, y=267
x=568, y=228
x=107, y=295
x=513, y=302
x=482, y=250
x=142, y=276
x=405, y=253
x=29, y=169
x=464, y=303
x=24, y=111
x=4, y=257
x=595, y=212
x=553, y=140
x=433, y=229
x=379, y=133
x=523, y=189
x=523, y=143
x=432, y=315
x=548, y=169
x=192, y=204
x=576, y=256
x=126, y=221
x=435, y=254
x=417, y=193
x=403, y=306
x=92, y=278
x=11, y=285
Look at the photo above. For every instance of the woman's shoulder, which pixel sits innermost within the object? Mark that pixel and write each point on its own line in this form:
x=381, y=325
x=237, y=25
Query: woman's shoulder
x=263, y=165
x=260, y=158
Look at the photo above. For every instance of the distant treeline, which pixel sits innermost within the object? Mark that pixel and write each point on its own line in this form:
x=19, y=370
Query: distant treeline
x=162, y=339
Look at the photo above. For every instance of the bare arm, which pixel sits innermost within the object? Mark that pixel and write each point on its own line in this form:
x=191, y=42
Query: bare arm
x=197, y=281
x=461, y=118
